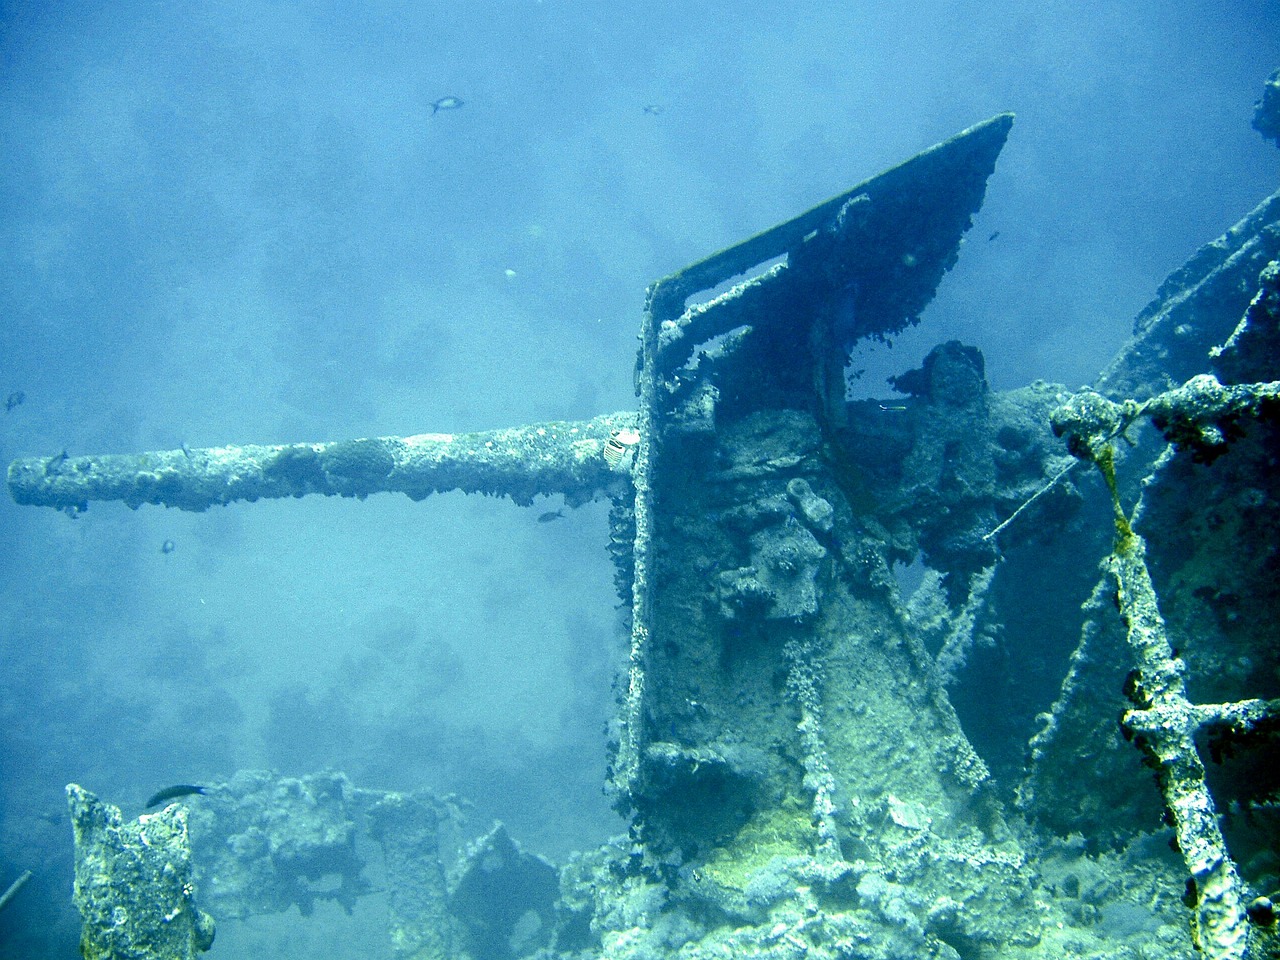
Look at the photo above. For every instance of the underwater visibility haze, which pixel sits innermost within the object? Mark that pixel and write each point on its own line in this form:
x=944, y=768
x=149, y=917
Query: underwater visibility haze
x=803, y=633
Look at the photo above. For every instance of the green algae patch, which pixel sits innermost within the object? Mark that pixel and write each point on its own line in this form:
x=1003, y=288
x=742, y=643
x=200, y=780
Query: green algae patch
x=782, y=831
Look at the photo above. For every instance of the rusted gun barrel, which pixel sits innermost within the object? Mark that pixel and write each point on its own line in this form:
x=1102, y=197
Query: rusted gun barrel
x=558, y=457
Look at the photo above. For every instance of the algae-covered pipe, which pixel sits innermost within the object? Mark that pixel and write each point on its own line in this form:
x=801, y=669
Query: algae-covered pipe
x=521, y=462
x=13, y=889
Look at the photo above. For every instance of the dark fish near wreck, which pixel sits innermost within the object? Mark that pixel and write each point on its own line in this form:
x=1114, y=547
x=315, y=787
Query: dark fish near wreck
x=446, y=103
x=550, y=515
x=172, y=793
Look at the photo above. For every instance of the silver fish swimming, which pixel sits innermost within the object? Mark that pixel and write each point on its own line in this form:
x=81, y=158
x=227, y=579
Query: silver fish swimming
x=446, y=103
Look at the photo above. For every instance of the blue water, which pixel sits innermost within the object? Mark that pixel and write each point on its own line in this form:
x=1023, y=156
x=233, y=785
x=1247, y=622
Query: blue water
x=243, y=223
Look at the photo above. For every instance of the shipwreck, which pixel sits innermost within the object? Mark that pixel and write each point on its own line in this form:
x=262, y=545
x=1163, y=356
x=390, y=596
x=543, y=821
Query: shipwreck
x=815, y=761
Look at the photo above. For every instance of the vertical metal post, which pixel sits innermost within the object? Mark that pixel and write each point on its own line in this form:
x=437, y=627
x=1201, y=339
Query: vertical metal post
x=662, y=302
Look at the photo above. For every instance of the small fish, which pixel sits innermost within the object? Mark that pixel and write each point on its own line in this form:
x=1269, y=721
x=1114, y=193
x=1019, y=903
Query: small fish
x=172, y=793
x=52, y=465
x=653, y=109
x=550, y=515
x=168, y=546
x=15, y=399
x=994, y=234
x=619, y=445
x=446, y=103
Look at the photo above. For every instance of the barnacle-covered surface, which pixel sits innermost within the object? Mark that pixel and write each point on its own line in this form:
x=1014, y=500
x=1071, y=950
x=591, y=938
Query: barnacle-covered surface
x=134, y=883
x=794, y=724
x=1211, y=530
x=556, y=457
x=266, y=843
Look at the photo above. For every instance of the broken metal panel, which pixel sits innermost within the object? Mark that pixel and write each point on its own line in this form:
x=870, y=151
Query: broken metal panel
x=863, y=264
x=495, y=893
x=904, y=237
